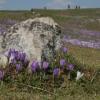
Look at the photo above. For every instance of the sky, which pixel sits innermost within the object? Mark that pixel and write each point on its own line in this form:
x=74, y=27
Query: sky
x=51, y=4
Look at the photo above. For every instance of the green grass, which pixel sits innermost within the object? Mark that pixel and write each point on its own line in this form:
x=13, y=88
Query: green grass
x=71, y=12
x=15, y=15
x=93, y=25
x=73, y=90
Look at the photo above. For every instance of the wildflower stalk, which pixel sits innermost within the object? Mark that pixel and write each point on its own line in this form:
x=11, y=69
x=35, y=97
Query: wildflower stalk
x=94, y=76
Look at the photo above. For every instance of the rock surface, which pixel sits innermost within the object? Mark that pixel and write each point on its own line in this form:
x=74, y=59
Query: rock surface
x=38, y=38
x=3, y=61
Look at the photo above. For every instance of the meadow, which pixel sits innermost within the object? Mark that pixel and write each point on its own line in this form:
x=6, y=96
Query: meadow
x=23, y=87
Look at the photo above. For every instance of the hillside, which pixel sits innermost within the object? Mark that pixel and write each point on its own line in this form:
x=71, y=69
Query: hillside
x=79, y=57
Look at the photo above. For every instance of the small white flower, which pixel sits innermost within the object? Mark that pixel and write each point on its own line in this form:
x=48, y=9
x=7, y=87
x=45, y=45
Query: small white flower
x=79, y=75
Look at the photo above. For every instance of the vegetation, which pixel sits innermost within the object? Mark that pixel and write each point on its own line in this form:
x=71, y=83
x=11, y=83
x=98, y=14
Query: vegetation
x=42, y=86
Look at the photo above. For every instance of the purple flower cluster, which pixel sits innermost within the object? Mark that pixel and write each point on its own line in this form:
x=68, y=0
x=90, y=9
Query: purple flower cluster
x=56, y=70
x=34, y=66
x=89, y=32
x=17, y=58
x=11, y=22
x=63, y=63
x=8, y=22
x=37, y=66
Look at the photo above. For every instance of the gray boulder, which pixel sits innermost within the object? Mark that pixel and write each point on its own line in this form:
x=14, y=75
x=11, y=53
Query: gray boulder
x=39, y=38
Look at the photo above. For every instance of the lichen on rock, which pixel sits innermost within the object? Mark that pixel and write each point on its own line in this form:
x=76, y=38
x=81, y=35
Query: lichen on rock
x=39, y=38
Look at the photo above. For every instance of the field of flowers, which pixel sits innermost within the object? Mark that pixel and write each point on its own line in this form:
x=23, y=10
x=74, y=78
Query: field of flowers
x=74, y=72
x=64, y=72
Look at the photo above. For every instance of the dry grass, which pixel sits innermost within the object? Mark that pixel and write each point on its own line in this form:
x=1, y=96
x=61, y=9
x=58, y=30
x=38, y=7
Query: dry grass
x=87, y=56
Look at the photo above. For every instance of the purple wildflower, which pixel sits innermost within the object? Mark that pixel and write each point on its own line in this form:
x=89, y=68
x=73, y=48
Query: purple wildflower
x=1, y=74
x=18, y=67
x=16, y=53
x=34, y=66
x=45, y=65
x=56, y=71
x=62, y=62
x=18, y=56
x=22, y=56
x=64, y=49
x=70, y=67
